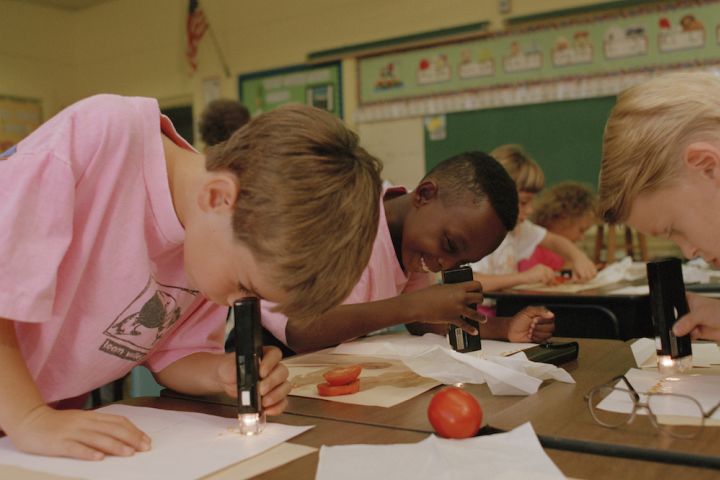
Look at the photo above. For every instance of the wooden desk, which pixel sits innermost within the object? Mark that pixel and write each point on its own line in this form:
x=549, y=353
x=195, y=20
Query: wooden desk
x=332, y=432
x=560, y=413
x=412, y=414
x=632, y=311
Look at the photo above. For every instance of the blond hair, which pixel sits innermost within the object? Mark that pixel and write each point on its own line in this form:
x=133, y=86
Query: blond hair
x=564, y=200
x=648, y=129
x=526, y=173
x=308, y=205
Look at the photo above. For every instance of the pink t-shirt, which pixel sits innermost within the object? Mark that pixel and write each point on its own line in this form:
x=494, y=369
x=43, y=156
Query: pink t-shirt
x=93, y=251
x=382, y=278
x=542, y=256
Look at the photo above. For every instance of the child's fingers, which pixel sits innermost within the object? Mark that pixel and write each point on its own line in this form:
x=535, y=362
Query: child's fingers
x=124, y=431
x=106, y=444
x=685, y=325
x=460, y=322
x=77, y=450
x=276, y=395
x=278, y=408
x=271, y=357
x=279, y=375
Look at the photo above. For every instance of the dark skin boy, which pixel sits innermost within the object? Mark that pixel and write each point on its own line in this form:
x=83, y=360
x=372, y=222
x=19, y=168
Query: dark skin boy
x=429, y=234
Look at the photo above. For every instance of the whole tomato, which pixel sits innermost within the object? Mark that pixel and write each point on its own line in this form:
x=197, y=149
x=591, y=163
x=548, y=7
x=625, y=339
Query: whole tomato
x=454, y=413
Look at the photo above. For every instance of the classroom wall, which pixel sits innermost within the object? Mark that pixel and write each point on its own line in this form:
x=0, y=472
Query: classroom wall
x=136, y=47
x=36, y=53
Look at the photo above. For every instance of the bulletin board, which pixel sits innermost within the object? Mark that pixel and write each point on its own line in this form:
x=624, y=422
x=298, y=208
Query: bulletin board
x=592, y=55
x=316, y=85
x=18, y=118
x=565, y=138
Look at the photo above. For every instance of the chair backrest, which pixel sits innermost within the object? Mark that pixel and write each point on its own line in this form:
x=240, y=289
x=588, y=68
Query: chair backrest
x=606, y=242
x=585, y=321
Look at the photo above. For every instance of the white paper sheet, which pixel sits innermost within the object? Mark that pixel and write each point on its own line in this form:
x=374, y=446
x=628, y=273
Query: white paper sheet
x=184, y=446
x=503, y=456
x=430, y=356
x=704, y=354
x=703, y=388
x=403, y=345
x=631, y=290
x=624, y=270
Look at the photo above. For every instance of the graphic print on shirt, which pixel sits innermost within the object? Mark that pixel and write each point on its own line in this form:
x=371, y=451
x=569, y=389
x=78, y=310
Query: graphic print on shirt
x=141, y=324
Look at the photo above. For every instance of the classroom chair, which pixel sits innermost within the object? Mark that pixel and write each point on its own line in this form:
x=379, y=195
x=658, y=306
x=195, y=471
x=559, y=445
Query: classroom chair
x=606, y=240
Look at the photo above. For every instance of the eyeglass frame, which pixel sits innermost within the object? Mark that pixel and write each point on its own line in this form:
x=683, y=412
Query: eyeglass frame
x=638, y=404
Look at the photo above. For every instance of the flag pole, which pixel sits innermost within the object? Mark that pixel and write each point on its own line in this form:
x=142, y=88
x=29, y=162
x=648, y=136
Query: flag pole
x=219, y=51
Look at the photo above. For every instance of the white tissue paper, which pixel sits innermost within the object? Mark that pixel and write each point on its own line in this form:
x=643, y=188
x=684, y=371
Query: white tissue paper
x=430, y=356
x=503, y=456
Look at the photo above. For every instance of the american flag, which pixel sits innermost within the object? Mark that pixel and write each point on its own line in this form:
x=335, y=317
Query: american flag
x=197, y=25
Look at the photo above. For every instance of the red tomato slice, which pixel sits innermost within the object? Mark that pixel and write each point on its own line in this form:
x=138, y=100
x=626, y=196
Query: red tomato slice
x=327, y=390
x=455, y=413
x=342, y=375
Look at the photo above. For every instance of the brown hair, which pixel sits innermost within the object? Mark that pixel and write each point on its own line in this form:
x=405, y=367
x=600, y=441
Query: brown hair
x=308, y=203
x=526, y=173
x=564, y=200
x=220, y=119
x=648, y=129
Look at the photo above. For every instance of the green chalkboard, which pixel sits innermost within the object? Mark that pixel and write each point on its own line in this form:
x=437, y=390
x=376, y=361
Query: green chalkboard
x=565, y=138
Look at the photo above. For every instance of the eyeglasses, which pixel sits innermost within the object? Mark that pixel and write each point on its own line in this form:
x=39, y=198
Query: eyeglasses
x=683, y=416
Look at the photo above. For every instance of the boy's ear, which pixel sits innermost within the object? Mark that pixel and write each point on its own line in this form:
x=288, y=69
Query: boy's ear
x=426, y=191
x=703, y=158
x=219, y=193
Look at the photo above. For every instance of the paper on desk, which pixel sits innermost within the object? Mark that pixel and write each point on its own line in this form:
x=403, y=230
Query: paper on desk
x=403, y=345
x=184, y=446
x=384, y=382
x=703, y=388
x=704, y=354
x=429, y=356
x=624, y=270
x=504, y=456
x=631, y=290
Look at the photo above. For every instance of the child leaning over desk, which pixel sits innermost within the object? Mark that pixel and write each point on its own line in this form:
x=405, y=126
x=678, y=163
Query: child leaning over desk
x=457, y=214
x=660, y=174
x=123, y=246
x=499, y=270
x=566, y=209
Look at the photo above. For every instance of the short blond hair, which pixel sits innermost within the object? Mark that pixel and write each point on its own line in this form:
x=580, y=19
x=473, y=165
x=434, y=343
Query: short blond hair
x=525, y=171
x=648, y=129
x=564, y=200
x=308, y=205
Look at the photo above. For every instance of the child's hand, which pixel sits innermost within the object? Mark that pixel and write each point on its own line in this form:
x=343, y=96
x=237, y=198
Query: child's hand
x=86, y=435
x=583, y=269
x=532, y=324
x=274, y=387
x=447, y=304
x=539, y=274
x=703, y=321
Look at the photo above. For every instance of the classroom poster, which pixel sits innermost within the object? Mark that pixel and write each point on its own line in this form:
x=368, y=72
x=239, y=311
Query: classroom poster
x=315, y=85
x=18, y=117
x=594, y=55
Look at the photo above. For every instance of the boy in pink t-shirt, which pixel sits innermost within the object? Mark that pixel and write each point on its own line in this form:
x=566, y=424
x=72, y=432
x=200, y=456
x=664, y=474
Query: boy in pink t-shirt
x=458, y=213
x=122, y=245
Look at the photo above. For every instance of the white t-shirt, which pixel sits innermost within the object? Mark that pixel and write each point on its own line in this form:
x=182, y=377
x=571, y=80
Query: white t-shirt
x=518, y=244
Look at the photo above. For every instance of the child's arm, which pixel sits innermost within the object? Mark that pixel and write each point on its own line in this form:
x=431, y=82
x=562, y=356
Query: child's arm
x=537, y=274
x=703, y=321
x=35, y=427
x=583, y=267
x=205, y=373
x=435, y=304
x=532, y=324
